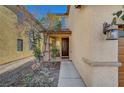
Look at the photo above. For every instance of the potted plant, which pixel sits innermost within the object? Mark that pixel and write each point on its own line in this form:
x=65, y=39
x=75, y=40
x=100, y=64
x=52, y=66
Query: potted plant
x=118, y=18
x=111, y=30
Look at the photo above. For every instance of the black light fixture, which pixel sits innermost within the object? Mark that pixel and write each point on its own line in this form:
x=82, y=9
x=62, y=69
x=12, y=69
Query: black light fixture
x=110, y=31
x=78, y=6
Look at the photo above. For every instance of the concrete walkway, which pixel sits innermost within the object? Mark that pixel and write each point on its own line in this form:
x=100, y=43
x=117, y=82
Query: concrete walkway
x=69, y=77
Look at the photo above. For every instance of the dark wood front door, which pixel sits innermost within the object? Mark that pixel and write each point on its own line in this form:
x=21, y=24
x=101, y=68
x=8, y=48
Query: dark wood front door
x=65, y=46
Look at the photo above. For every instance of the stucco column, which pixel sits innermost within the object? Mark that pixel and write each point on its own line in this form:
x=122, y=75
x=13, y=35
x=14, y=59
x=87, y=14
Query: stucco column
x=95, y=58
x=103, y=63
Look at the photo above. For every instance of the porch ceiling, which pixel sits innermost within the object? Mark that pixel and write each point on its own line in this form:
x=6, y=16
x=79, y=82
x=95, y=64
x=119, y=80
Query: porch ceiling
x=60, y=34
x=63, y=32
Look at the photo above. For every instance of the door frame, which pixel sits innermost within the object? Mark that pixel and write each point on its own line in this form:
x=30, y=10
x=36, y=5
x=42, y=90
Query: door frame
x=68, y=46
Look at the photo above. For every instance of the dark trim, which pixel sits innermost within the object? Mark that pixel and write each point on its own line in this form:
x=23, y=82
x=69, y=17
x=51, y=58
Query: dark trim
x=60, y=32
x=67, y=31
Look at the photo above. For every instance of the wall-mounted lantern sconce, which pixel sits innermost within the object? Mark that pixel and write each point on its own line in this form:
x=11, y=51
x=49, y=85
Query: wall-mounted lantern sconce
x=110, y=31
x=78, y=6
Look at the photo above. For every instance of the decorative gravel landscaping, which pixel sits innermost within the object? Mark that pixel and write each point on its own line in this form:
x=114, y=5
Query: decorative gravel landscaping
x=31, y=74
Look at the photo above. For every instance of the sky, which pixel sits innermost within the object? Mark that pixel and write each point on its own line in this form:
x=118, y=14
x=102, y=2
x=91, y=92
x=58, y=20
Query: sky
x=40, y=10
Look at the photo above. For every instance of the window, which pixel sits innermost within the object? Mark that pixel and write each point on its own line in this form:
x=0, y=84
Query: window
x=19, y=45
x=20, y=17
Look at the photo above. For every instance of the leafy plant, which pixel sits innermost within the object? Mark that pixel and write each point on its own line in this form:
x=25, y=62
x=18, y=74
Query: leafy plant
x=119, y=14
x=54, y=51
x=35, y=39
x=122, y=17
x=37, y=53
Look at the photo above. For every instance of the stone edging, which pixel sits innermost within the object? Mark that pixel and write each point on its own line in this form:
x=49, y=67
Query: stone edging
x=101, y=64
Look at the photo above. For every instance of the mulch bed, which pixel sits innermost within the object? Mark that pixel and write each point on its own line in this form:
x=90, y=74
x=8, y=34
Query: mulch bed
x=46, y=75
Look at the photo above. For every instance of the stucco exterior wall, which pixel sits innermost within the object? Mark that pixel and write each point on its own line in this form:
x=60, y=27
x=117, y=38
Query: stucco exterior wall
x=9, y=33
x=104, y=77
x=9, y=36
x=89, y=42
x=105, y=50
x=81, y=43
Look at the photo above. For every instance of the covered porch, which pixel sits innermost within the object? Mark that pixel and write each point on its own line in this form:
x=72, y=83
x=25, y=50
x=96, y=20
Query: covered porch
x=60, y=41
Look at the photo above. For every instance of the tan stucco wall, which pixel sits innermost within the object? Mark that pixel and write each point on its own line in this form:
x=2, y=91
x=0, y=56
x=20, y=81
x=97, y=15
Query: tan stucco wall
x=80, y=43
x=104, y=77
x=89, y=42
x=104, y=50
x=9, y=36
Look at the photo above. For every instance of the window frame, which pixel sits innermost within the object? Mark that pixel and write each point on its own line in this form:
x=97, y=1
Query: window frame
x=20, y=45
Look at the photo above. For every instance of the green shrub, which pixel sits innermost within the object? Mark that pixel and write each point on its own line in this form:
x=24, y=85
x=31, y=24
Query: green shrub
x=37, y=53
x=54, y=51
